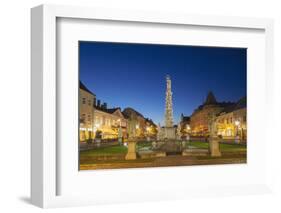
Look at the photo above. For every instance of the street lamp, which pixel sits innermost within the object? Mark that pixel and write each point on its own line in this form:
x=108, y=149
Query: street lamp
x=188, y=132
x=237, y=124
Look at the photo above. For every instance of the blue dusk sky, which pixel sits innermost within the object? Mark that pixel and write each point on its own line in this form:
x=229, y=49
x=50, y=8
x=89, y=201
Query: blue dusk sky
x=133, y=75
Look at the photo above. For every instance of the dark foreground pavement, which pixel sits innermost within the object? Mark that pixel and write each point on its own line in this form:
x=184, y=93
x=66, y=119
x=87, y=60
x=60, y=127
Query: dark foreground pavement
x=173, y=160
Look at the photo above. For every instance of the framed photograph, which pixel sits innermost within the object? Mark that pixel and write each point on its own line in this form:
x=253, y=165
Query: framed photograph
x=149, y=106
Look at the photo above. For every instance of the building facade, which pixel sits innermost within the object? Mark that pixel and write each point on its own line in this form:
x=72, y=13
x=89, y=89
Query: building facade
x=185, y=128
x=232, y=121
x=151, y=129
x=109, y=122
x=144, y=127
x=199, y=119
x=86, y=112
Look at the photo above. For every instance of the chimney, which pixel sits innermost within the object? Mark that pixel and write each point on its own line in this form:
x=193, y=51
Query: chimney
x=98, y=104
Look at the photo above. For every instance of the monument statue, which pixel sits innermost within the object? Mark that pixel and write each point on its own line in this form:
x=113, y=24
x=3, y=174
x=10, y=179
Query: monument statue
x=169, y=103
x=120, y=135
x=214, y=146
x=179, y=134
x=212, y=125
x=132, y=123
x=168, y=131
x=159, y=132
x=132, y=126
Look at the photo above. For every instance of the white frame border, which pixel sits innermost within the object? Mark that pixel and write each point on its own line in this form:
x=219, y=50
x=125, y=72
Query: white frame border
x=43, y=88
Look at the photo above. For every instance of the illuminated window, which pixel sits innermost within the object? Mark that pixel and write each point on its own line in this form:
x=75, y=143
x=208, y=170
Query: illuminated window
x=228, y=132
x=96, y=120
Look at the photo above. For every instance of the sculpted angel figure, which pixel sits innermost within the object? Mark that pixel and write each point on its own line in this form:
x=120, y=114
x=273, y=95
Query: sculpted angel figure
x=132, y=123
x=212, y=124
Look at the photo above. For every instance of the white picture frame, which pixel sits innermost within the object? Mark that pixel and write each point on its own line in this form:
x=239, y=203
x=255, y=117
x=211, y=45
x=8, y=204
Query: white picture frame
x=44, y=151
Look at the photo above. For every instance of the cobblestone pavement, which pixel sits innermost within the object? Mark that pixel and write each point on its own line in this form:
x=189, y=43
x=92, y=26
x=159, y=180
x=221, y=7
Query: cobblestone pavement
x=173, y=160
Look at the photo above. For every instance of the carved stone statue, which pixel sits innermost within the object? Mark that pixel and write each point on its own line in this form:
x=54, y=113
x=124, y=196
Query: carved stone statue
x=159, y=132
x=132, y=123
x=120, y=135
x=212, y=125
x=214, y=146
x=132, y=126
x=179, y=134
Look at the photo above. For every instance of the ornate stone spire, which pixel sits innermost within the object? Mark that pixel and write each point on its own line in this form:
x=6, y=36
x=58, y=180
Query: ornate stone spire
x=169, y=104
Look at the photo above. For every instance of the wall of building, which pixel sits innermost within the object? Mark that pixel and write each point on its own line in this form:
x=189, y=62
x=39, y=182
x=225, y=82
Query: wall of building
x=232, y=124
x=86, y=115
x=199, y=119
x=109, y=124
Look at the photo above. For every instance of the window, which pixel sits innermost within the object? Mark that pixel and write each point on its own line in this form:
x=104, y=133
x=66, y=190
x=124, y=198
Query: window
x=89, y=102
x=83, y=117
x=83, y=100
x=89, y=117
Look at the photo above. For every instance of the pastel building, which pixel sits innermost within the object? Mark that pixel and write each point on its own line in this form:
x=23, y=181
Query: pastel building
x=86, y=112
x=109, y=121
x=232, y=121
x=141, y=122
x=199, y=120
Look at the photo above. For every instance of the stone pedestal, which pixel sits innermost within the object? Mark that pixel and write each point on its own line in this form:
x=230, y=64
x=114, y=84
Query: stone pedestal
x=120, y=141
x=151, y=154
x=195, y=152
x=169, y=133
x=131, y=155
x=214, y=147
x=154, y=145
x=170, y=147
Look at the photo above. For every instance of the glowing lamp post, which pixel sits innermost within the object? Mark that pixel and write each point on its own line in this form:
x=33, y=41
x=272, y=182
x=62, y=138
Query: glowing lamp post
x=148, y=133
x=237, y=124
x=188, y=132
